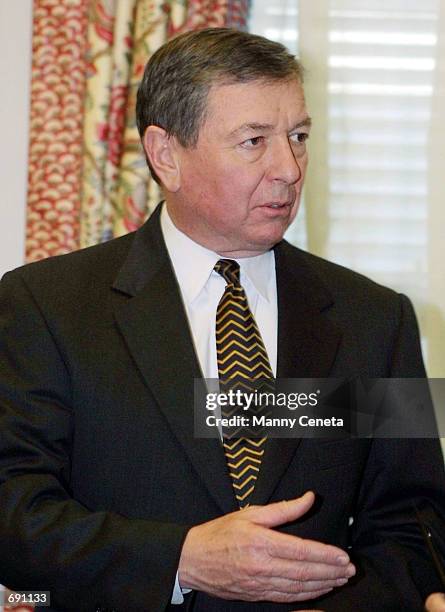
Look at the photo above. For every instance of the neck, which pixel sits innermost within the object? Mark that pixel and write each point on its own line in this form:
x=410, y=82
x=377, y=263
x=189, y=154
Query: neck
x=210, y=244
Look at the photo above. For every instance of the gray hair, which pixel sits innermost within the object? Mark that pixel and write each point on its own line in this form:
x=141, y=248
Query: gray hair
x=178, y=77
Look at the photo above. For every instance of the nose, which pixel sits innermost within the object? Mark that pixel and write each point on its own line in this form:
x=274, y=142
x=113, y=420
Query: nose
x=285, y=166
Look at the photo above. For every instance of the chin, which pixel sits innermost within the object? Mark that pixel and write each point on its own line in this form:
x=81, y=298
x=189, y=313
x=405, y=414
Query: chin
x=274, y=234
x=267, y=242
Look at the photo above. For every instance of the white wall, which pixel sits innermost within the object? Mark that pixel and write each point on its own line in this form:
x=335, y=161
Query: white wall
x=15, y=71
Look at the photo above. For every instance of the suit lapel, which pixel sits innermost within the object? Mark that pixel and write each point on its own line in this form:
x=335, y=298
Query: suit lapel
x=155, y=327
x=307, y=345
x=307, y=339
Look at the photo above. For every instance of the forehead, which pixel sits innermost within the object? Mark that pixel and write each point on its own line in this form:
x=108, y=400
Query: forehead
x=280, y=104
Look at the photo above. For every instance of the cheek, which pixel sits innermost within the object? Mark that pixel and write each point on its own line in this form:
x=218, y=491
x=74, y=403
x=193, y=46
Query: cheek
x=227, y=185
x=220, y=186
x=303, y=167
x=248, y=183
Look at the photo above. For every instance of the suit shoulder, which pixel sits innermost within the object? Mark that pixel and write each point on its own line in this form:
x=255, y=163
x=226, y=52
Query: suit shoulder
x=375, y=323
x=342, y=282
x=353, y=299
x=98, y=263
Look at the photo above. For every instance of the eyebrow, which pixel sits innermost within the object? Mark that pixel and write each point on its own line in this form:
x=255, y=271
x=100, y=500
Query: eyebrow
x=304, y=123
x=261, y=127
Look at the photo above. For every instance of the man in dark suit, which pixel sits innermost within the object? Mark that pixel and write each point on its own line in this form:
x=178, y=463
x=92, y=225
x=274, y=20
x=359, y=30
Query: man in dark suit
x=107, y=498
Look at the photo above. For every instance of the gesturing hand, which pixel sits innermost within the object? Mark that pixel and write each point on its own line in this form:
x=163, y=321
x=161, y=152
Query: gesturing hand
x=240, y=556
x=435, y=603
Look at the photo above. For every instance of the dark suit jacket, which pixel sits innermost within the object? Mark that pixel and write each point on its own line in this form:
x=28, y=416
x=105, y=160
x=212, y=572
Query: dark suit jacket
x=100, y=473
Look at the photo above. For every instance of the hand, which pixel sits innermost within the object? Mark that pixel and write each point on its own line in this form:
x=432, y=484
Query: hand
x=241, y=556
x=435, y=603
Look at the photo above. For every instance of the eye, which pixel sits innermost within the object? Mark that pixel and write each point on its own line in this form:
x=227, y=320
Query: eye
x=253, y=143
x=299, y=137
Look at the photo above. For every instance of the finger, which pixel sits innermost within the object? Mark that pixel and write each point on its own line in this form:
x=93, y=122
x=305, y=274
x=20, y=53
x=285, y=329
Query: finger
x=312, y=586
x=285, y=546
x=295, y=570
x=312, y=595
x=279, y=513
x=277, y=596
x=283, y=585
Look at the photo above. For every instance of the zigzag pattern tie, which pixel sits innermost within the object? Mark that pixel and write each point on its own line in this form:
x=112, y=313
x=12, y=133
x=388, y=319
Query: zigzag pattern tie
x=241, y=357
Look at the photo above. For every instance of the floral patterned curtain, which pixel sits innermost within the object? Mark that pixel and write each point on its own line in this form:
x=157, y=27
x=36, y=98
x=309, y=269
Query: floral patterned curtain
x=88, y=180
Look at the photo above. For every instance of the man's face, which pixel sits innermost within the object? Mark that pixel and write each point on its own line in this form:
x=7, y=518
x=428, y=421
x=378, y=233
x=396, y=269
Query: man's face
x=240, y=187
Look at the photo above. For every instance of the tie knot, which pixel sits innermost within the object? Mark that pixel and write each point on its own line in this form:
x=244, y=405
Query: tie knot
x=229, y=270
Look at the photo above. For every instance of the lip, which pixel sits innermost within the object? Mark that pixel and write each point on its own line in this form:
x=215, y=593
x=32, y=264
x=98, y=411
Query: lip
x=276, y=208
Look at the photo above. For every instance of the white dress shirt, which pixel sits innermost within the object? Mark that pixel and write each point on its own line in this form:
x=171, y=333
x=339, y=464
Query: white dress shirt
x=201, y=290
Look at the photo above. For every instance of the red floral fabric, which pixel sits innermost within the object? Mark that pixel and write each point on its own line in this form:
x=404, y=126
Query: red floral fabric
x=55, y=148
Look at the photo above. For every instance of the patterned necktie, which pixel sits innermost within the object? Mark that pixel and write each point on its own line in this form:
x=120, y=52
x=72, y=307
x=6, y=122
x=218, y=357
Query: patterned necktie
x=241, y=355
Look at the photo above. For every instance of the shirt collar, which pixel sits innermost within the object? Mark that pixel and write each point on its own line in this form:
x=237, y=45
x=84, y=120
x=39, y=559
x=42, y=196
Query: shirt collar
x=260, y=270
x=193, y=264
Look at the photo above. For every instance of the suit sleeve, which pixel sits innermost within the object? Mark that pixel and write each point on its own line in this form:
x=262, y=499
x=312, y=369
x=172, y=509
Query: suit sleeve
x=394, y=568
x=49, y=541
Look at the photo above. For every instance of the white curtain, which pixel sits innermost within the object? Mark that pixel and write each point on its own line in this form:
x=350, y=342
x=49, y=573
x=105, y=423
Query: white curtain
x=375, y=81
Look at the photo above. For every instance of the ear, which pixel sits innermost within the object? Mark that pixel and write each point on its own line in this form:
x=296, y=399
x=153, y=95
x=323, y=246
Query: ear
x=161, y=151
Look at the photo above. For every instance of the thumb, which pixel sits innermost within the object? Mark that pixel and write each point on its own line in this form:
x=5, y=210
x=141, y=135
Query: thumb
x=282, y=512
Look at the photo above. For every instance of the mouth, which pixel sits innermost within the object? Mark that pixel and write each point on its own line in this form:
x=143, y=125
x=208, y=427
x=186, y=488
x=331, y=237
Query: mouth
x=277, y=205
